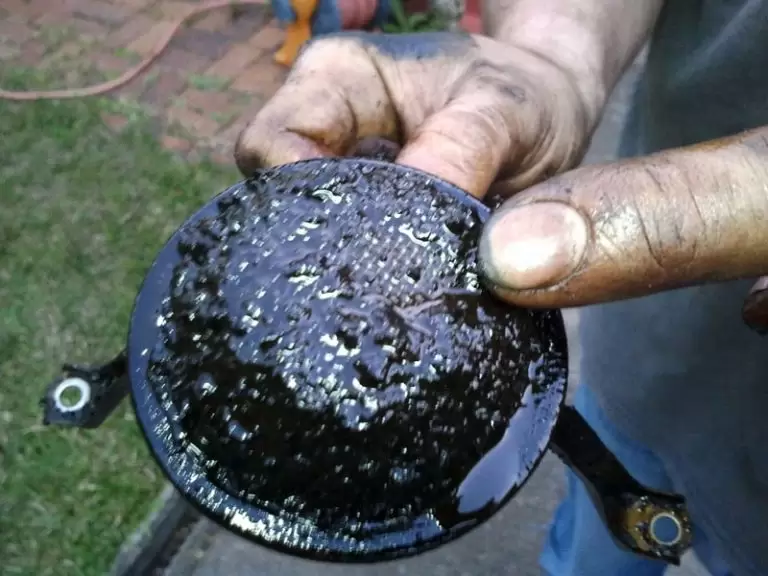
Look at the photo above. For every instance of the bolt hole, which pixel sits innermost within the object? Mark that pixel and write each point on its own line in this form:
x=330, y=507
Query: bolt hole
x=666, y=529
x=70, y=396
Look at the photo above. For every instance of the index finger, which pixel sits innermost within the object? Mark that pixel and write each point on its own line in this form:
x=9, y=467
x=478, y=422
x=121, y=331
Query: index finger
x=633, y=228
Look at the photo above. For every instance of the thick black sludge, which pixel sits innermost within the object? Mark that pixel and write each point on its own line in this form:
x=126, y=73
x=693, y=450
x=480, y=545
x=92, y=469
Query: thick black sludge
x=329, y=376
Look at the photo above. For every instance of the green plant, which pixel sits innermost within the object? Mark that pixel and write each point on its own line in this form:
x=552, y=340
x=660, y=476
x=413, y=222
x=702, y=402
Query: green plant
x=404, y=23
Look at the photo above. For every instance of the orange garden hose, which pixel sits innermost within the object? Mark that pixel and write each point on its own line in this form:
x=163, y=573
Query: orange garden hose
x=109, y=86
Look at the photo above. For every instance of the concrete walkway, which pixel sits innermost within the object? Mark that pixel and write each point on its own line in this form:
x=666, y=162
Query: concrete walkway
x=508, y=544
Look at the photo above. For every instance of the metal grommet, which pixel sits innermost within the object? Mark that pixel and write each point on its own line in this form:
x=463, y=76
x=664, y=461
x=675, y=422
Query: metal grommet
x=83, y=388
x=666, y=529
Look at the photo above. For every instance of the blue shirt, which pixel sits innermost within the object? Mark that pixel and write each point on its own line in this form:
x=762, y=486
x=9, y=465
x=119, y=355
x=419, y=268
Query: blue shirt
x=679, y=372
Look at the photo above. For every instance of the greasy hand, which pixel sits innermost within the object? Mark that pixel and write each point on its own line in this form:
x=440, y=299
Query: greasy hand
x=632, y=228
x=465, y=108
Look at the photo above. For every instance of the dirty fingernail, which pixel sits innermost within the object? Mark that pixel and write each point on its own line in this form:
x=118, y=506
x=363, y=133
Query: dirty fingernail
x=533, y=246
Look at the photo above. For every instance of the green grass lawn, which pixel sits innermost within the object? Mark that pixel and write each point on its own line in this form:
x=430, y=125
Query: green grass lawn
x=82, y=213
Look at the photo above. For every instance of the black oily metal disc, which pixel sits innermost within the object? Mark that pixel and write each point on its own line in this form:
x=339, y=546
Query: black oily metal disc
x=316, y=366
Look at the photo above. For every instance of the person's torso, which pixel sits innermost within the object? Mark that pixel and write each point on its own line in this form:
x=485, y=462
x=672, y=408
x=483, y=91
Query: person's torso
x=679, y=372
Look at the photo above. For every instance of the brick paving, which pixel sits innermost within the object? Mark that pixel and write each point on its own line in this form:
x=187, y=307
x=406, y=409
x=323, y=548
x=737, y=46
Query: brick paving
x=217, y=72
x=211, y=80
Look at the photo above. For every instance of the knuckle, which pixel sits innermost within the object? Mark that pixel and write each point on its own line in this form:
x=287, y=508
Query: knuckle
x=482, y=132
x=652, y=213
x=498, y=80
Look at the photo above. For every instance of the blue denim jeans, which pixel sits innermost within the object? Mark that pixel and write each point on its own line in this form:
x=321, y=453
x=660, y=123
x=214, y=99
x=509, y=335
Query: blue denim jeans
x=579, y=543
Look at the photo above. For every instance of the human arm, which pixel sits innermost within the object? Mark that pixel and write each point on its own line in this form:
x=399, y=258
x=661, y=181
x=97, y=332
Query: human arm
x=592, y=40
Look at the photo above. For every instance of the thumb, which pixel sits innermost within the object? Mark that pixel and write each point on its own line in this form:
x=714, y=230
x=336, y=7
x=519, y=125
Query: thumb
x=603, y=233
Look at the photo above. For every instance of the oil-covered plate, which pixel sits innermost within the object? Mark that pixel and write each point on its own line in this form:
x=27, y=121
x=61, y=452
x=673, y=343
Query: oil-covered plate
x=316, y=365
